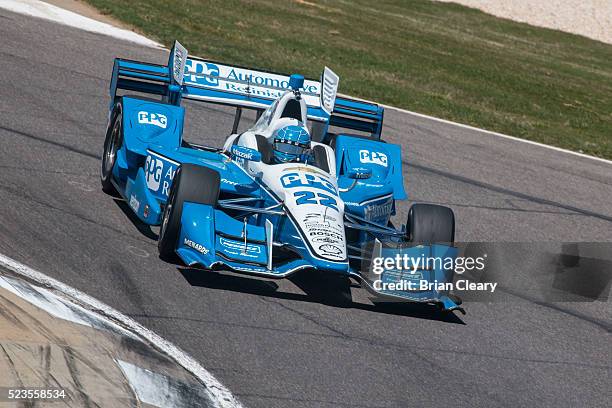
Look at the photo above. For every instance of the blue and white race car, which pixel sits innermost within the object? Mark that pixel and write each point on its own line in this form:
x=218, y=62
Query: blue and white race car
x=286, y=195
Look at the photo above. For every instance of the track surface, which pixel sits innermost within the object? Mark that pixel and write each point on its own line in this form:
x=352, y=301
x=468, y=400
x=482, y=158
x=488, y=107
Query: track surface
x=272, y=343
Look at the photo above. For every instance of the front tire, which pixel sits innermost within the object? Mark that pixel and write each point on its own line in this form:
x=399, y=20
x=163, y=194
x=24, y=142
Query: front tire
x=191, y=183
x=112, y=144
x=430, y=224
x=337, y=291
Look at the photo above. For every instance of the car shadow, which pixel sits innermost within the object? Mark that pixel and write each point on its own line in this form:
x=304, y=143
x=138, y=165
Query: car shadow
x=418, y=311
x=143, y=228
x=313, y=293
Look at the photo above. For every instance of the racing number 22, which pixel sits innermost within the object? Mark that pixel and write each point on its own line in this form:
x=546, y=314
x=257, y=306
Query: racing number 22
x=308, y=197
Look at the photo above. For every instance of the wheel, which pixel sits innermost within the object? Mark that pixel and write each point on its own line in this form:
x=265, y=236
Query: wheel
x=191, y=183
x=336, y=290
x=326, y=287
x=112, y=143
x=428, y=223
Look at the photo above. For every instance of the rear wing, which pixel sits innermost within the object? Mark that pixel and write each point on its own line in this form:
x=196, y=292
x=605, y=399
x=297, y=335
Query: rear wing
x=199, y=79
x=358, y=115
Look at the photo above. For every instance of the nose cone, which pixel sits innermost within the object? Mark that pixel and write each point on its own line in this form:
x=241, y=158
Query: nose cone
x=338, y=267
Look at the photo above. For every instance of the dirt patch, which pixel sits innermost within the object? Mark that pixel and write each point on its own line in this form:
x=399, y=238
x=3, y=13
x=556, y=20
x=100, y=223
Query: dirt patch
x=590, y=18
x=86, y=10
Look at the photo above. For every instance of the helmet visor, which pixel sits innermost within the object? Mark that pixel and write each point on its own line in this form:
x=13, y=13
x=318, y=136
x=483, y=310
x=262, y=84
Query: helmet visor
x=287, y=148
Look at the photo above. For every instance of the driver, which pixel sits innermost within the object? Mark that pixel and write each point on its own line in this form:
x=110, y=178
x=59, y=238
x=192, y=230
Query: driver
x=291, y=144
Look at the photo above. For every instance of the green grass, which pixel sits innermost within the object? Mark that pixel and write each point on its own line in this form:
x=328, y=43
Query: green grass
x=440, y=59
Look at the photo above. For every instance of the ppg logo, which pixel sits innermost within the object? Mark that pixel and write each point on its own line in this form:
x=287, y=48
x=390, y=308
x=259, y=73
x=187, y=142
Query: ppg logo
x=153, y=171
x=292, y=180
x=151, y=118
x=159, y=173
x=204, y=73
x=366, y=156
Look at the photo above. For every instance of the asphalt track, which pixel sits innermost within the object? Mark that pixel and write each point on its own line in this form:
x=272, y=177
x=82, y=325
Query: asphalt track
x=273, y=343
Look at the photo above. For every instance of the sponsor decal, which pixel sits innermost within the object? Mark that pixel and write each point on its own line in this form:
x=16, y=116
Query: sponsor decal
x=230, y=182
x=198, y=247
x=134, y=203
x=314, y=231
x=330, y=249
x=153, y=170
x=319, y=219
x=328, y=240
x=329, y=236
x=324, y=232
x=159, y=173
x=379, y=211
x=375, y=185
x=178, y=67
x=238, y=248
x=242, y=154
x=152, y=118
x=321, y=225
x=293, y=180
x=306, y=169
x=330, y=85
x=246, y=82
x=207, y=73
x=366, y=156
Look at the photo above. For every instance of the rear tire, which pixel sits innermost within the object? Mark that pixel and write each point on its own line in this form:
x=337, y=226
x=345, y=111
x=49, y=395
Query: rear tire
x=112, y=144
x=429, y=224
x=192, y=183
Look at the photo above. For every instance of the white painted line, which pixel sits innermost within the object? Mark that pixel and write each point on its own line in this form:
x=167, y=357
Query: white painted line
x=488, y=132
x=40, y=9
x=219, y=394
x=36, y=8
x=491, y=133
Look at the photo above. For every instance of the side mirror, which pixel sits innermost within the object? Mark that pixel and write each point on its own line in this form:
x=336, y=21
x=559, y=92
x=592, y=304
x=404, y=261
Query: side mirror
x=245, y=153
x=359, y=173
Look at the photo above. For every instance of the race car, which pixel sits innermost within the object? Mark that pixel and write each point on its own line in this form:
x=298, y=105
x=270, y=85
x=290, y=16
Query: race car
x=286, y=195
